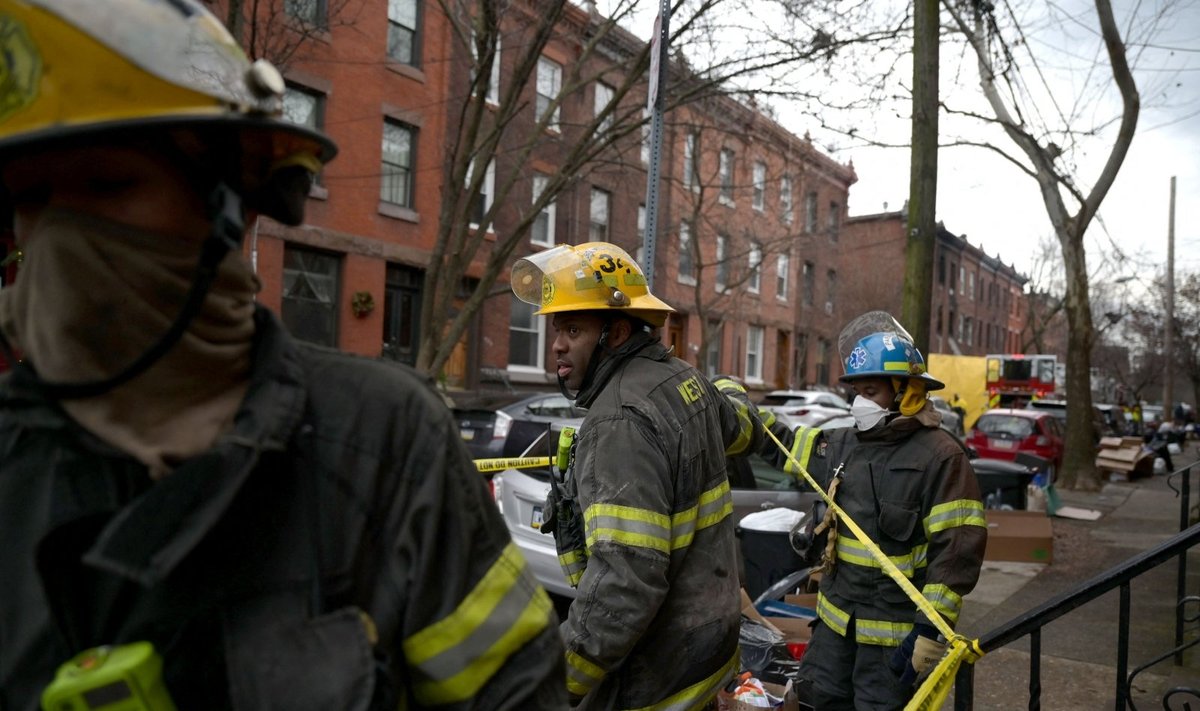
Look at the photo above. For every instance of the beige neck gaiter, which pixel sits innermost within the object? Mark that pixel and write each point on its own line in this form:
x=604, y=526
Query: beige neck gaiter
x=92, y=295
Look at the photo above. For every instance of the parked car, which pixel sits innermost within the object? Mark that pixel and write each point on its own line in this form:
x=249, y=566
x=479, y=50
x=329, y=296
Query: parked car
x=804, y=407
x=1004, y=433
x=1058, y=408
x=489, y=421
x=521, y=496
x=951, y=420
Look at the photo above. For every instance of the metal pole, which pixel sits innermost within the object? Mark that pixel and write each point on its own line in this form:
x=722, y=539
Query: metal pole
x=1169, y=339
x=1181, y=568
x=654, y=102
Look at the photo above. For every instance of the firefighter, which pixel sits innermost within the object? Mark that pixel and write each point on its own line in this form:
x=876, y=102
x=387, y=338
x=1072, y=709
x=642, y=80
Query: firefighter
x=219, y=512
x=908, y=484
x=643, y=527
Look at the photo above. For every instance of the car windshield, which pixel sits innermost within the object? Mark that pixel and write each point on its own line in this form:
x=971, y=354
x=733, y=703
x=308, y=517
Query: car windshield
x=785, y=400
x=1005, y=426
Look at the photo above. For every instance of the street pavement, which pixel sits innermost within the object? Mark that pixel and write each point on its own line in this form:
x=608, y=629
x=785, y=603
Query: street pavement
x=1079, y=650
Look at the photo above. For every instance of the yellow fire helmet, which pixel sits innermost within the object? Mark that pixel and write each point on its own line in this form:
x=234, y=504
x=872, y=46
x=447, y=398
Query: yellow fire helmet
x=587, y=277
x=77, y=69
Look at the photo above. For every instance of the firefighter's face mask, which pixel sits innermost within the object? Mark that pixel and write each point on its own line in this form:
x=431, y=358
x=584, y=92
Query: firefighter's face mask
x=874, y=400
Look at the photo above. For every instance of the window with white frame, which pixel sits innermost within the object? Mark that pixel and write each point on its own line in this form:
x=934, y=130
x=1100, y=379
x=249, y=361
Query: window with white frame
x=311, y=286
x=526, y=337
x=754, y=283
x=691, y=175
x=641, y=227
x=403, y=38
x=687, y=265
x=754, y=353
x=549, y=84
x=482, y=202
x=598, y=217
x=304, y=107
x=970, y=286
x=810, y=212
x=725, y=174
x=722, y=262
x=785, y=200
x=809, y=273
x=832, y=293
x=492, y=95
x=397, y=170
x=601, y=99
x=760, y=186
x=542, y=231
x=782, y=268
x=716, y=332
x=646, y=126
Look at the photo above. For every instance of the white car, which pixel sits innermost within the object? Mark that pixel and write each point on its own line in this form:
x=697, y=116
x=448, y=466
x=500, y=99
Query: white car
x=804, y=407
x=521, y=496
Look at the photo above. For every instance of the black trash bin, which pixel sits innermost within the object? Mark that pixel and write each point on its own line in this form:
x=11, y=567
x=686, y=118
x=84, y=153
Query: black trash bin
x=768, y=557
x=1003, y=484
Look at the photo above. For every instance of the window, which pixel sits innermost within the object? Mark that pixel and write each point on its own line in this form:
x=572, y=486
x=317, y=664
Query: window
x=755, y=281
x=542, y=231
x=526, y=337
x=398, y=144
x=311, y=12
x=942, y=269
x=722, y=262
x=402, y=314
x=598, y=231
x=823, y=361
x=953, y=277
x=832, y=293
x=549, y=84
x=310, y=294
x=482, y=202
x=402, y=31
x=641, y=228
x=687, y=265
x=760, y=186
x=304, y=108
x=646, y=127
x=810, y=212
x=782, y=266
x=971, y=286
x=602, y=98
x=492, y=94
x=754, y=347
x=725, y=170
x=832, y=218
x=691, y=175
x=785, y=200
x=809, y=272
x=712, y=364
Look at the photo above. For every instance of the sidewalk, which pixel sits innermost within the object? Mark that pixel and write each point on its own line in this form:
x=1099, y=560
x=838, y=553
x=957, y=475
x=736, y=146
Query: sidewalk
x=1079, y=650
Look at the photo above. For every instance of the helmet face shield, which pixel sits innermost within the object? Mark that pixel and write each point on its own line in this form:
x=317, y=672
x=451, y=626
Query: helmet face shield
x=586, y=277
x=875, y=345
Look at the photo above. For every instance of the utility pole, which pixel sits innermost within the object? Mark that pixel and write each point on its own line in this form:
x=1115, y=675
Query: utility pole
x=1169, y=338
x=922, y=190
x=654, y=104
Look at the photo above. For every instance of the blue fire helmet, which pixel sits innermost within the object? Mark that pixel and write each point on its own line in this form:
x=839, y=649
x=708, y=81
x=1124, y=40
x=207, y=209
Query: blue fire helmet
x=887, y=355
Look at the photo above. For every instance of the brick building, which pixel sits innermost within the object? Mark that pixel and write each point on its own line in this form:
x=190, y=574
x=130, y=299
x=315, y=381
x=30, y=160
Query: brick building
x=978, y=305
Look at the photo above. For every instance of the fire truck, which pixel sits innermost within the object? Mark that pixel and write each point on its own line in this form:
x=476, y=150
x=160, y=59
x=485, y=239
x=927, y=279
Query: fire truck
x=1014, y=379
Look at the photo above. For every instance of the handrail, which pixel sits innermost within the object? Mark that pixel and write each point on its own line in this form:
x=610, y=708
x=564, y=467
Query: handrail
x=1185, y=507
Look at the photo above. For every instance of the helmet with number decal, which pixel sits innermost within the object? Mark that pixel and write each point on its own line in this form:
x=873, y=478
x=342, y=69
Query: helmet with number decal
x=595, y=276
x=77, y=70
x=875, y=345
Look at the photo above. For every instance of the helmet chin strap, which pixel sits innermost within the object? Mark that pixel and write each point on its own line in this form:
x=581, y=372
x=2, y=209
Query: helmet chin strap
x=225, y=235
x=593, y=363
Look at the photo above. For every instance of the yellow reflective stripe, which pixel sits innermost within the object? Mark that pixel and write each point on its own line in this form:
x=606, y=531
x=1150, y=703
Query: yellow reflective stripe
x=881, y=632
x=745, y=434
x=836, y=618
x=766, y=416
x=700, y=693
x=951, y=514
x=853, y=551
x=453, y=658
x=573, y=563
x=726, y=385
x=628, y=526
x=582, y=674
x=895, y=365
x=944, y=600
x=802, y=447
x=713, y=506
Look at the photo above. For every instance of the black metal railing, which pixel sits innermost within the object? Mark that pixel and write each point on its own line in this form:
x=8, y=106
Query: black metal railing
x=1184, y=492
x=1031, y=623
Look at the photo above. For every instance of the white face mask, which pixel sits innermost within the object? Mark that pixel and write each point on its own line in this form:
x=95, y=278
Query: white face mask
x=867, y=413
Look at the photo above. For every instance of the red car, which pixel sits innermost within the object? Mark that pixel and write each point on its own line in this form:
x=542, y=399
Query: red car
x=1003, y=433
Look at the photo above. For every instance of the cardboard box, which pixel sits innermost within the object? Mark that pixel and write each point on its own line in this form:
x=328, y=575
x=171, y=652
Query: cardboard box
x=1125, y=455
x=1019, y=536
x=726, y=702
x=793, y=629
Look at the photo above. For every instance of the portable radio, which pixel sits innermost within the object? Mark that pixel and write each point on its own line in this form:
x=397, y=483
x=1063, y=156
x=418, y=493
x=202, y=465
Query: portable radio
x=125, y=677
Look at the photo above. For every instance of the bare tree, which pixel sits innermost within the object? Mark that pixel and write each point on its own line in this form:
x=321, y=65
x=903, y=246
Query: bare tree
x=1070, y=207
x=276, y=30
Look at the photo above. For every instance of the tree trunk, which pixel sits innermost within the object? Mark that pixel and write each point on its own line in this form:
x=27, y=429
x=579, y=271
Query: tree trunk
x=1079, y=465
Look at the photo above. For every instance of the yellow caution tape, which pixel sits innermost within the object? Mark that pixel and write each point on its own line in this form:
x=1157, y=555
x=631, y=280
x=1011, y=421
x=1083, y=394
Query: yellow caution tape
x=500, y=464
x=933, y=691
